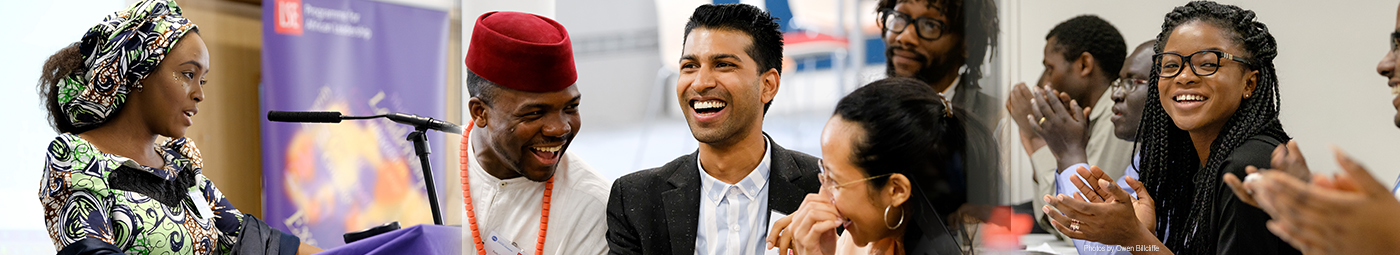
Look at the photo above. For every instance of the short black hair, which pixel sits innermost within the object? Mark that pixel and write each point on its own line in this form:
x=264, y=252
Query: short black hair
x=1089, y=33
x=975, y=20
x=767, y=46
x=481, y=88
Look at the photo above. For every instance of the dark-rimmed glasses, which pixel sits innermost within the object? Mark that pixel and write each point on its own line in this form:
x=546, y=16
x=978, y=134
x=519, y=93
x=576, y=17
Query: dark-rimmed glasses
x=1203, y=63
x=895, y=22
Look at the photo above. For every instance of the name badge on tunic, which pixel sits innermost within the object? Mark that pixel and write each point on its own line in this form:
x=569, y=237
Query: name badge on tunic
x=201, y=205
x=497, y=245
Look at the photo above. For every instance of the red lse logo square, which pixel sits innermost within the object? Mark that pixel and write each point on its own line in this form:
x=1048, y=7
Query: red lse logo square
x=287, y=17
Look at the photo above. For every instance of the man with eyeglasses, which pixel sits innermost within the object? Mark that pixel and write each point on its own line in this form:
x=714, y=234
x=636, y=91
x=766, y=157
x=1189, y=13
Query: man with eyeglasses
x=1068, y=120
x=1129, y=95
x=944, y=44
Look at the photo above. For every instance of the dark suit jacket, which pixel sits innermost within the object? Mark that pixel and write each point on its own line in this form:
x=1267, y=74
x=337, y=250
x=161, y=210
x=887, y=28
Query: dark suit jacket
x=654, y=211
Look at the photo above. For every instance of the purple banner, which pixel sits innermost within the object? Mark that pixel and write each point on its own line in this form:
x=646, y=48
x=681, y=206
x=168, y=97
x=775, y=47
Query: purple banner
x=358, y=57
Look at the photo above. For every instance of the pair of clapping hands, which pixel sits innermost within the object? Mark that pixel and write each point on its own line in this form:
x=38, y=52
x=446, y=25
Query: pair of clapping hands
x=1350, y=213
x=1102, y=212
x=1048, y=117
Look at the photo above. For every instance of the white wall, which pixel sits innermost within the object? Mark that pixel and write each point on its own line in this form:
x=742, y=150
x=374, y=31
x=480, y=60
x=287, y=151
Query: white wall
x=49, y=26
x=1330, y=92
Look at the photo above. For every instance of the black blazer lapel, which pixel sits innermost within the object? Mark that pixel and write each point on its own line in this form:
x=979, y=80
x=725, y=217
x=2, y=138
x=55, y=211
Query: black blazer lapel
x=682, y=205
x=794, y=175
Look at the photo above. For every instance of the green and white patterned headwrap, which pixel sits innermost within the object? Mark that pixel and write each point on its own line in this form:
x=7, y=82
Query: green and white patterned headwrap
x=117, y=53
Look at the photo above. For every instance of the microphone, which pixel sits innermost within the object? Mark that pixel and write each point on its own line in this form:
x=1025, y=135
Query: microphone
x=313, y=117
x=420, y=121
x=418, y=136
x=335, y=117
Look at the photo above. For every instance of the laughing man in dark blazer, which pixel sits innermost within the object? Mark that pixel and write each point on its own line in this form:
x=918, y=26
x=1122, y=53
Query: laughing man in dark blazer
x=718, y=199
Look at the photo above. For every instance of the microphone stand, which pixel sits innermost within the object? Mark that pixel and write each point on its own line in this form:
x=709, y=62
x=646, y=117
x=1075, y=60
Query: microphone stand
x=420, y=146
x=419, y=137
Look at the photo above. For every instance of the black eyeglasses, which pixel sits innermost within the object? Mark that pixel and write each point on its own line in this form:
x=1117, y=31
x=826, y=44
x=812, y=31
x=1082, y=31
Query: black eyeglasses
x=1126, y=84
x=894, y=22
x=1203, y=63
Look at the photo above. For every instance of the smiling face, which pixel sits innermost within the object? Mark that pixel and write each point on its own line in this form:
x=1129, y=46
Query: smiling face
x=529, y=132
x=1386, y=68
x=854, y=200
x=720, y=88
x=1204, y=103
x=170, y=95
x=908, y=55
x=1127, y=105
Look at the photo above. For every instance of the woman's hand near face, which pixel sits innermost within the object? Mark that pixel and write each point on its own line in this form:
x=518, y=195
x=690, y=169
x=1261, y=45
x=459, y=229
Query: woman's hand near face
x=809, y=230
x=815, y=223
x=1112, y=220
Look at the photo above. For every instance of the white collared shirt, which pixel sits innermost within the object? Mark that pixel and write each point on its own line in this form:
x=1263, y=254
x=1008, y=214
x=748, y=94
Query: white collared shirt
x=733, y=217
x=511, y=208
x=952, y=90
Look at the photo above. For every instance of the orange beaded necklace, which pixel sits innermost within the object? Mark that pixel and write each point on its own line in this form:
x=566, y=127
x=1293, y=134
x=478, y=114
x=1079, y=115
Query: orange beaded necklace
x=471, y=214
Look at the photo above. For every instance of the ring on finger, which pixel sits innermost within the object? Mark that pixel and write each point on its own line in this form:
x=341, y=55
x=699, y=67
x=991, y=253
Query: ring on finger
x=1074, y=225
x=1042, y=121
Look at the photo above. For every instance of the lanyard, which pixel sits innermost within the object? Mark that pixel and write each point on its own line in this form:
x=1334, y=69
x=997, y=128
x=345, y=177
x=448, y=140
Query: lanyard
x=471, y=213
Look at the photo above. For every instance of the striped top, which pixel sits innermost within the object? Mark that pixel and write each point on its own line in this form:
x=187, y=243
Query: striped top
x=732, y=216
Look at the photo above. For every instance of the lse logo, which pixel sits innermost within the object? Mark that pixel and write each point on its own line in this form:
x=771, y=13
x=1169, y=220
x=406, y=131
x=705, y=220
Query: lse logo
x=287, y=15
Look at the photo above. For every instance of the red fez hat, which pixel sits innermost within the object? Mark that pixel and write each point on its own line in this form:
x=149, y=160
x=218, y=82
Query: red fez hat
x=522, y=51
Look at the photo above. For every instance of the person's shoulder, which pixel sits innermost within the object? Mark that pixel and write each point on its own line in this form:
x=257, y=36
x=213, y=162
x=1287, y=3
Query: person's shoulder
x=653, y=176
x=1255, y=151
x=73, y=153
x=73, y=163
x=583, y=179
x=803, y=162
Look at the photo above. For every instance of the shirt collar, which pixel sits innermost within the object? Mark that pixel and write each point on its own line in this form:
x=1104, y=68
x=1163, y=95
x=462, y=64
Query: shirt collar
x=715, y=189
x=952, y=89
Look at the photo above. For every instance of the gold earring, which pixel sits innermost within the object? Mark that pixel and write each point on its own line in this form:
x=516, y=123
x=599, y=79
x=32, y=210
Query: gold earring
x=887, y=219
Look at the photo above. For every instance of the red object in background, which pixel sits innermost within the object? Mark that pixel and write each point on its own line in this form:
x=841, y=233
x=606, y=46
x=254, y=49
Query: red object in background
x=288, y=17
x=1003, y=230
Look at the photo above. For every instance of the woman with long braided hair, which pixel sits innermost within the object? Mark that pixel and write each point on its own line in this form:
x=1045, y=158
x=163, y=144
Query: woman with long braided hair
x=1215, y=111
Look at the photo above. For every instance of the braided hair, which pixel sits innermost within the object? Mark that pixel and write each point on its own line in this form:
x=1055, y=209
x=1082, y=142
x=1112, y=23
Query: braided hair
x=1185, y=189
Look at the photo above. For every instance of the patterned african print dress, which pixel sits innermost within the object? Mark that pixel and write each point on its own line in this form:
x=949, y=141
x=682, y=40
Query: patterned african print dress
x=88, y=194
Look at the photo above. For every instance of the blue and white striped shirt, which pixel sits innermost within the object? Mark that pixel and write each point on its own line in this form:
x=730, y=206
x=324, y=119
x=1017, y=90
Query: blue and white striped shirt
x=733, y=218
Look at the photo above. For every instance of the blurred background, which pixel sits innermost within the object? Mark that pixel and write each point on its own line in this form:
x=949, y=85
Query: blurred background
x=626, y=53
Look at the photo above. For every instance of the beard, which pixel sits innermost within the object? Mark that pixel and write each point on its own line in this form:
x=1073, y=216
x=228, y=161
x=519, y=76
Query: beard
x=933, y=69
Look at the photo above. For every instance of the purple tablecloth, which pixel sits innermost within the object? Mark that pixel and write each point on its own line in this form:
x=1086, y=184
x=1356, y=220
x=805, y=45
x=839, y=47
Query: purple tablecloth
x=420, y=239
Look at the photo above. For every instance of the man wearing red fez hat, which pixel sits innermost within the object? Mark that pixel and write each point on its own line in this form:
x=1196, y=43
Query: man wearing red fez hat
x=515, y=169
x=718, y=199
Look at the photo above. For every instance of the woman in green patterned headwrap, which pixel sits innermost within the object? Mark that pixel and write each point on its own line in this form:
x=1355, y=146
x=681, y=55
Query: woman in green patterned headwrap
x=108, y=186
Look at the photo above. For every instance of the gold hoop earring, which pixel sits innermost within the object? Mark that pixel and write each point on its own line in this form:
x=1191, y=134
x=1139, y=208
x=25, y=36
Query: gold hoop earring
x=887, y=219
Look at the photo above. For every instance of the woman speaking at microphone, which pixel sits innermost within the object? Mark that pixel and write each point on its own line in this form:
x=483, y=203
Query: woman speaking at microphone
x=108, y=187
